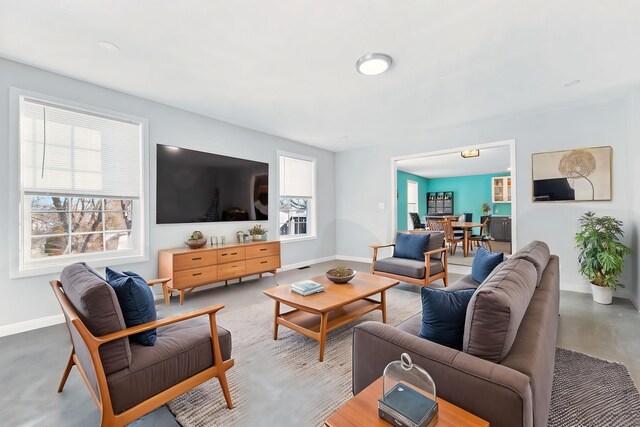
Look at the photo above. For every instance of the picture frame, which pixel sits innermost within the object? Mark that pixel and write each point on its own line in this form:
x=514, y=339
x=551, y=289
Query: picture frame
x=577, y=175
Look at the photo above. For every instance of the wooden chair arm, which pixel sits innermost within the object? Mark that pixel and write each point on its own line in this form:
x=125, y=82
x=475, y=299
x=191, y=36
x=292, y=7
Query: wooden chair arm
x=435, y=251
x=157, y=281
x=382, y=246
x=158, y=323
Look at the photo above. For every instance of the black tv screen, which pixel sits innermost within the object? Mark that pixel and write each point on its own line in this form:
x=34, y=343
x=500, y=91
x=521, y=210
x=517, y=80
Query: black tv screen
x=194, y=186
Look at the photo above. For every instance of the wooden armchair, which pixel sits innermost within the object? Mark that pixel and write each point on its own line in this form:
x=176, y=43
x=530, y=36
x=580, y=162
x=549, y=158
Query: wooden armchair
x=421, y=273
x=128, y=380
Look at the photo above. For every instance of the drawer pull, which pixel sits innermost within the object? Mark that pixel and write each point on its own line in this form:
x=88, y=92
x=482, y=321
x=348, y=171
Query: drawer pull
x=196, y=259
x=196, y=274
x=234, y=253
x=223, y=254
x=263, y=249
x=263, y=262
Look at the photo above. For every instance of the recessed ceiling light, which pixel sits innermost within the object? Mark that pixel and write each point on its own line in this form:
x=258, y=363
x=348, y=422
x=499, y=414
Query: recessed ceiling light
x=108, y=46
x=470, y=153
x=372, y=64
x=571, y=83
x=172, y=148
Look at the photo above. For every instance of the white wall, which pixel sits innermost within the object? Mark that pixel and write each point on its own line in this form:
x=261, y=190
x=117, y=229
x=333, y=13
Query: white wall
x=31, y=298
x=634, y=176
x=365, y=175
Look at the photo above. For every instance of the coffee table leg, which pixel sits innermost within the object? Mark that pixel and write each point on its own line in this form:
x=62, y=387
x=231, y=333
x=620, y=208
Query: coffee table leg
x=323, y=333
x=275, y=320
x=383, y=303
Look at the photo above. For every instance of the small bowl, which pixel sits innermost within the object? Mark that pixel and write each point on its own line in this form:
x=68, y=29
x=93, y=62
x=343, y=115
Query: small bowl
x=340, y=280
x=195, y=244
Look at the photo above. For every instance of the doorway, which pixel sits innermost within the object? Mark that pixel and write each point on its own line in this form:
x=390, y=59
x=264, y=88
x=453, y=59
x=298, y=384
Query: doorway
x=476, y=189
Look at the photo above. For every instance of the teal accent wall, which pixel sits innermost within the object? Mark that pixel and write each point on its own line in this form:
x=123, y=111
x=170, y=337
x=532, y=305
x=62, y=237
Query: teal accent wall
x=469, y=193
x=402, y=178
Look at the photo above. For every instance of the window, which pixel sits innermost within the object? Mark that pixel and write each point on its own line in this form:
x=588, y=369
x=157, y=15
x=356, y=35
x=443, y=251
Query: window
x=80, y=183
x=297, y=194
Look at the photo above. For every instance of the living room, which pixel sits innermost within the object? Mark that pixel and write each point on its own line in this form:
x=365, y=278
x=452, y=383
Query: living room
x=289, y=87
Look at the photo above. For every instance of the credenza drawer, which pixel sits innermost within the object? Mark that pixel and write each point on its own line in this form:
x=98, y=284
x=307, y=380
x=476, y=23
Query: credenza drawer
x=194, y=276
x=231, y=269
x=259, y=265
x=230, y=255
x=194, y=260
x=259, y=251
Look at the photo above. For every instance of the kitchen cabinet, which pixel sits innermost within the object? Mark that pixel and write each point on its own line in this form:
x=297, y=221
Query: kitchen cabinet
x=501, y=189
x=500, y=228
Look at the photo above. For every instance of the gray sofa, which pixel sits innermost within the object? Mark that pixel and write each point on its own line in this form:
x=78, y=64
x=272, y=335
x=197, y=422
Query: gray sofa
x=504, y=372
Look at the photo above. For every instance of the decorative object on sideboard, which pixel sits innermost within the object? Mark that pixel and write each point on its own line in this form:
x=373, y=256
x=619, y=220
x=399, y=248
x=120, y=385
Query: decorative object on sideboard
x=257, y=232
x=602, y=254
x=247, y=238
x=196, y=240
x=340, y=274
x=486, y=209
x=572, y=175
x=408, y=395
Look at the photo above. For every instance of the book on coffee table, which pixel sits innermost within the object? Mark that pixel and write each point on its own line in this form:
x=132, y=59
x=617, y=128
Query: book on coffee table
x=306, y=287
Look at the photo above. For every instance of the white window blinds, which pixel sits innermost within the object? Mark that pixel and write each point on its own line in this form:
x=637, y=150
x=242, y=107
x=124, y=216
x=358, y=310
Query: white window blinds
x=296, y=177
x=71, y=152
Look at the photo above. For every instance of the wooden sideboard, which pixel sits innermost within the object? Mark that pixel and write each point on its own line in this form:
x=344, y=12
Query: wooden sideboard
x=190, y=268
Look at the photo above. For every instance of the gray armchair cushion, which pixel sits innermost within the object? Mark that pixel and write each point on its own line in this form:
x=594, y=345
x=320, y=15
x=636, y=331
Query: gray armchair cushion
x=436, y=241
x=537, y=253
x=181, y=350
x=97, y=305
x=407, y=267
x=496, y=310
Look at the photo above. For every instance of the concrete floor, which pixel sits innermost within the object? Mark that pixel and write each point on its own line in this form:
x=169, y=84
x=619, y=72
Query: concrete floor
x=31, y=363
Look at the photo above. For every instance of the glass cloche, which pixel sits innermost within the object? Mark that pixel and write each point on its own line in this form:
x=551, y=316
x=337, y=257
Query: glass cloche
x=408, y=395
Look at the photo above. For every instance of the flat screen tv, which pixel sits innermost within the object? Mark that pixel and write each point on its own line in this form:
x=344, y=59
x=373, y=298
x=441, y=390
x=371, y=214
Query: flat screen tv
x=194, y=186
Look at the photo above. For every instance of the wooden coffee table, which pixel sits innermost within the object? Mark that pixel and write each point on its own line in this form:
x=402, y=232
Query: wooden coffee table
x=317, y=314
x=362, y=410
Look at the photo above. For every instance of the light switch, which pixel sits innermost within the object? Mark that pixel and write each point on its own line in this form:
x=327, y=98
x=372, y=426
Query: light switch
x=380, y=205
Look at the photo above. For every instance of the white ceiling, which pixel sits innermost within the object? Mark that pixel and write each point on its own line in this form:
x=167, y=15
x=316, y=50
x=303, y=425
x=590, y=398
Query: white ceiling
x=490, y=160
x=288, y=67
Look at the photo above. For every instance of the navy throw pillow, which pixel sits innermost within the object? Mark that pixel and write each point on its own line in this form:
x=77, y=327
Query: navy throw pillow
x=136, y=302
x=411, y=246
x=443, y=315
x=483, y=264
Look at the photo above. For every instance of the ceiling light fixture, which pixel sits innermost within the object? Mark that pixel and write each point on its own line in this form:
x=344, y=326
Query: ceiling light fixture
x=470, y=153
x=571, y=83
x=373, y=64
x=108, y=46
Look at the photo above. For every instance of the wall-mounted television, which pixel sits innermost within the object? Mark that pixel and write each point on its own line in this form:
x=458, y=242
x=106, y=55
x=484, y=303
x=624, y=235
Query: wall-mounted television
x=194, y=186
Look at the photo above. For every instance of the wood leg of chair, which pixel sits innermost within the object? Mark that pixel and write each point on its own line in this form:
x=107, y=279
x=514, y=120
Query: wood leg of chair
x=165, y=294
x=222, y=377
x=489, y=245
x=66, y=372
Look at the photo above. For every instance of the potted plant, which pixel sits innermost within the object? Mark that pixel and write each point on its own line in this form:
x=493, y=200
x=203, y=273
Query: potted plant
x=601, y=255
x=486, y=209
x=258, y=232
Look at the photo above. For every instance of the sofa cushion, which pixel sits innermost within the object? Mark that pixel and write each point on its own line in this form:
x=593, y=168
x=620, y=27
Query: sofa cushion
x=97, y=305
x=537, y=253
x=483, y=264
x=411, y=246
x=182, y=350
x=443, y=315
x=496, y=310
x=136, y=301
x=407, y=267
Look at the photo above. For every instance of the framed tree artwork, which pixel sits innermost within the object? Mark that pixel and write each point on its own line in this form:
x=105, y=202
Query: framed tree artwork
x=583, y=174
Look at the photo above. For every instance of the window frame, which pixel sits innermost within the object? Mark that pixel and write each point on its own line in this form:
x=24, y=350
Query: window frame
x=20, y=213
x=311, y=206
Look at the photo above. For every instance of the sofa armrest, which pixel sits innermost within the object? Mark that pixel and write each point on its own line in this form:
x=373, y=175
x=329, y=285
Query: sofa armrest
x=491, y=391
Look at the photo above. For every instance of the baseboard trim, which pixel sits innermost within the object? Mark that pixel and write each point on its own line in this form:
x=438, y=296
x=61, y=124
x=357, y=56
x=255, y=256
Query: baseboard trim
x=354, y=258
x=305, y=263
x=30, y=325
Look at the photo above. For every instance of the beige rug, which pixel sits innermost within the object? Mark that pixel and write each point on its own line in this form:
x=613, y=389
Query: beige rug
x=281, y=383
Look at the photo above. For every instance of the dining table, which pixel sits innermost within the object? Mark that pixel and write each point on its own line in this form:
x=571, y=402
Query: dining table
x=466, y=230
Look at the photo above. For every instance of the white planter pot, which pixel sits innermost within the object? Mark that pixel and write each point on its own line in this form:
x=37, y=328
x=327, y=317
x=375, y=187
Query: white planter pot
x=602, y=294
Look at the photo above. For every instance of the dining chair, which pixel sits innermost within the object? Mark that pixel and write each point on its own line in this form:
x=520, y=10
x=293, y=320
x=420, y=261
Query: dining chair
x=450, y=238
x=482, y=239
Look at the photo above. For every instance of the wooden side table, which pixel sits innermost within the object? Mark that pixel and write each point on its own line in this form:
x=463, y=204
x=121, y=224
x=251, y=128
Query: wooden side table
x=362, y=410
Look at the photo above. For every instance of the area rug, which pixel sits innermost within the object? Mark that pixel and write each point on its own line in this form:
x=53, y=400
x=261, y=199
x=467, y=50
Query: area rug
x=281, y=383
x=590, y=392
